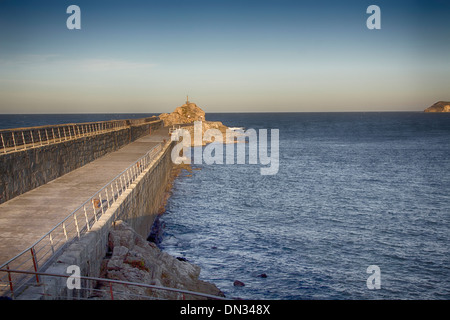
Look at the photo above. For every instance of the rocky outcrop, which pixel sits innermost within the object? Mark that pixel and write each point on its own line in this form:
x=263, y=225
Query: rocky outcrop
x=441, y=106
x=186, y=114
x=134, y=259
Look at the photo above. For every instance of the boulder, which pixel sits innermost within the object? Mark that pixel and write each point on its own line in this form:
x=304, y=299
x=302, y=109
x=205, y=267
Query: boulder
x=262, y=275
x=238, y=283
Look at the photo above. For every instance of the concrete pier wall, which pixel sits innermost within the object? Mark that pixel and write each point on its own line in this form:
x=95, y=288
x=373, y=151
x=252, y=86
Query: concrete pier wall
x=25, y=170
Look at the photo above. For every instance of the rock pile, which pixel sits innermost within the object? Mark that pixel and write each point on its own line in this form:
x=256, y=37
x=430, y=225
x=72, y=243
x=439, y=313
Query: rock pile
x=134, y=259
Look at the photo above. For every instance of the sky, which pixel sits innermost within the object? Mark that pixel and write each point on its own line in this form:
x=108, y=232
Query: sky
x=228, y=56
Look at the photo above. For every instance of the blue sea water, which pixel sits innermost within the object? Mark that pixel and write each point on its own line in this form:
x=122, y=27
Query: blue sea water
x=353, y=190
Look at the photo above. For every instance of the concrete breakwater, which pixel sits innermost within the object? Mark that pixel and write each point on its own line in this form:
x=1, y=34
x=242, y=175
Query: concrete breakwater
x=49, y=152
x=115, y=247
x=138, y=205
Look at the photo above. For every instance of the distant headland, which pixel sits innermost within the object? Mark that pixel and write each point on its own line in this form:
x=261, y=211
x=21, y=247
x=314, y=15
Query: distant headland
x=440, y=106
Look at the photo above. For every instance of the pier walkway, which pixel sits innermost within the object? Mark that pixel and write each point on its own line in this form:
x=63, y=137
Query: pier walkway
x=27, y=217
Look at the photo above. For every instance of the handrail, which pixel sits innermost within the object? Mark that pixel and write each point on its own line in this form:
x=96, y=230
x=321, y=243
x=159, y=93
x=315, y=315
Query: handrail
x=90, y=199
x=128, y=283
x=82, y=220
x=18, y=139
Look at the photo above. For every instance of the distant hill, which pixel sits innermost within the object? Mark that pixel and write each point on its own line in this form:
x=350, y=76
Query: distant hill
x=441, y=106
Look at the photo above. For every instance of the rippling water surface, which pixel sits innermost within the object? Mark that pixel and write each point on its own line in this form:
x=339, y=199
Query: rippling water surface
x=353, y=190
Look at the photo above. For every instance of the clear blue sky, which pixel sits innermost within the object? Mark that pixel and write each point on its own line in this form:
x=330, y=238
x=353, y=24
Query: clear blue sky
x=229, y=56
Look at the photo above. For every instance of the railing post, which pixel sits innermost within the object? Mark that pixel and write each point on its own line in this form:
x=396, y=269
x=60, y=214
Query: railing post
x=65, y=231
x=51, y=242
x=40, y=137
x=111, y=291
x=46, y=134
x=101, y=202
x=10, y=281
x=24, y=142
x=3, y=142
x=14, y=141
x=128, y=176
x=95, y=209
x=112, y=193
x=32, y=139
x=87, y=220
x=76, y=224
x=121, y=184
x=117, y=188
x=107, y=197
x=35, y=263
x=133, y=172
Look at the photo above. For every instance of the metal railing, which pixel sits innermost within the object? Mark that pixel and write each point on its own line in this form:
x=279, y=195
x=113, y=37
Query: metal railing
x=12, y=140
x=105, y=289
x=77, y=223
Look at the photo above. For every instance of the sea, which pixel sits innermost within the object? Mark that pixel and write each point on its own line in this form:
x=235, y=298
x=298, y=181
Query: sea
x=359, y=199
